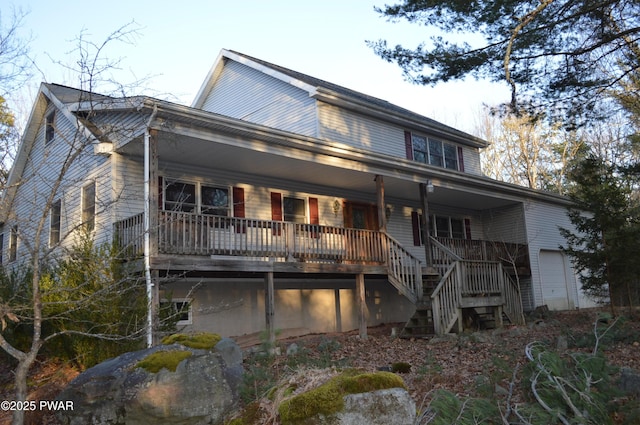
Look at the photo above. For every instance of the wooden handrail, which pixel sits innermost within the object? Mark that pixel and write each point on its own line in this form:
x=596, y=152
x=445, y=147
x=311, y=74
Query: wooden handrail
x=404, y=269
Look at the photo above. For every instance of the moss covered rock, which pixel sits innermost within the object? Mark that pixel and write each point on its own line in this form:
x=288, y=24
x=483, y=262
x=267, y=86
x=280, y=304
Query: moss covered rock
x=167, y=384
x=169, y=360
x=331, y=403
x=199, y=341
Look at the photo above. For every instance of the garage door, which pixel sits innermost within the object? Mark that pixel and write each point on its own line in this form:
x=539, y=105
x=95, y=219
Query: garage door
x=556, y=287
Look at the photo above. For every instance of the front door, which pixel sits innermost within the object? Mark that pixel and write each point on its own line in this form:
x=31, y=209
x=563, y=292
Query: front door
x=360, y=216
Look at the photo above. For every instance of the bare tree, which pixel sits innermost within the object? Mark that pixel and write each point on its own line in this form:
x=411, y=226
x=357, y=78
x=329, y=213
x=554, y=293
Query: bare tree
x=15, y=63
x=526, y=151
x=32, y=204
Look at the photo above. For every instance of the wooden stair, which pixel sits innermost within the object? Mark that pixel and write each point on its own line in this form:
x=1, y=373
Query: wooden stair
x=420, y=325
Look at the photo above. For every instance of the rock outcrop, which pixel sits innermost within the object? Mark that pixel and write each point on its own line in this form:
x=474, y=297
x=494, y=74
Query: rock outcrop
x=203, y=389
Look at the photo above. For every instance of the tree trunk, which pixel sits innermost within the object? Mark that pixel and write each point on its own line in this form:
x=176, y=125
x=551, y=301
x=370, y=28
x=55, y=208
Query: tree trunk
x=21, y=374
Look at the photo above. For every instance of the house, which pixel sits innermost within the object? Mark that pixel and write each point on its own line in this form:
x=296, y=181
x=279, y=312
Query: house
x=279, y=200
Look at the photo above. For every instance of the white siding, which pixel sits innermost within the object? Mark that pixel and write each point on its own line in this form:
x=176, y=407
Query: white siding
x=338, y=124
x=543, y=220
x=244, y=93
x=43, y=169
x=505, y=224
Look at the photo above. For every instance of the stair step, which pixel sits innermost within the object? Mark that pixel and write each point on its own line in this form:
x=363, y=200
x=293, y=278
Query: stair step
x=420, y=324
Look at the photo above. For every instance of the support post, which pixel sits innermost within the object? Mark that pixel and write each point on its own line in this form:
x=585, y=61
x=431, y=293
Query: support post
x=362, y=305
x=424, y=201
x=269, y=307
x=382, y=216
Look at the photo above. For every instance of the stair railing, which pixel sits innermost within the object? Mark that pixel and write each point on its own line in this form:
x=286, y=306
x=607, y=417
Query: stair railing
x=446, y=298
x=513, y=299
x=404, y=269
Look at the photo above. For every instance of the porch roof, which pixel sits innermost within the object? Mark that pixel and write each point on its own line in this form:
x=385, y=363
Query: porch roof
x=205, y=140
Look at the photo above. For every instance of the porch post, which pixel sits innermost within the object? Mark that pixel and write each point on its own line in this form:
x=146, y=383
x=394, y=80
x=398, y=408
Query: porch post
x=362, y=305
x=425, y=224
x=382, y=216
x=269, y=307
x=154, y=192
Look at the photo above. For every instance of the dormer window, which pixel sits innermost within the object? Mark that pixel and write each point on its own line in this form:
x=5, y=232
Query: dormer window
x=433, y=151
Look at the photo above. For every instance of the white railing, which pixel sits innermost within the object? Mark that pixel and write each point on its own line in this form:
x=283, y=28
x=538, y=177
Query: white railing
x=404, y=269
x=446, y=298
x=193, y=234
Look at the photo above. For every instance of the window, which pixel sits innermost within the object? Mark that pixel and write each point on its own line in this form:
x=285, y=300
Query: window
x=433, y=152
x=448, y=227
x=49, y=131
x=178, y=309
x=440, y=226
x=450, y=157
x=54, y=223
x=294, y=209
x=199, y=198
x=89, y=206
x=1, y=245
x=179, y=196
x=215, y=200
x=13, y=244
x=420, y=151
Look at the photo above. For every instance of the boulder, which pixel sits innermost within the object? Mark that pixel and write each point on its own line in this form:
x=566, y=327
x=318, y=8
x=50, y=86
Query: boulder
x=629, y=381
x=203, y=389
x=382, y=407
x=352, y=398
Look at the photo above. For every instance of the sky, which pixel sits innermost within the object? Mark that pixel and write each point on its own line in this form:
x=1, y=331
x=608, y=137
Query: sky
x=177, y=43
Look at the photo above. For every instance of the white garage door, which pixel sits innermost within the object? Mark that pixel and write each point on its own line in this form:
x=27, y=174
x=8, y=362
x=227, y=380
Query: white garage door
x=556, y=288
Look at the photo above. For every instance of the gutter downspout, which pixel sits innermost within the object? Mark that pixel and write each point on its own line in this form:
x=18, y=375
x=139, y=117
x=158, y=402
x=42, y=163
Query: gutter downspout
x=147, y=228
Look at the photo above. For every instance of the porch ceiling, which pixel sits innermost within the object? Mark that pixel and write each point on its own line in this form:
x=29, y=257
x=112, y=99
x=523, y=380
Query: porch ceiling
x=196, y=154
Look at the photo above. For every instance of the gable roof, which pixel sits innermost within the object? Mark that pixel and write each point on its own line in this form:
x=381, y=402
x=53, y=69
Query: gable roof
x=335, y=94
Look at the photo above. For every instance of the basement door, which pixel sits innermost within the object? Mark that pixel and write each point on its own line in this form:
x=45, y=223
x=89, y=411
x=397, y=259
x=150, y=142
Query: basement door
x=557, y=289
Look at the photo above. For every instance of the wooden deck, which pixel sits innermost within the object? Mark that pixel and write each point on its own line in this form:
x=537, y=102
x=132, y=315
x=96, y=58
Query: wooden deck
x=471, y=272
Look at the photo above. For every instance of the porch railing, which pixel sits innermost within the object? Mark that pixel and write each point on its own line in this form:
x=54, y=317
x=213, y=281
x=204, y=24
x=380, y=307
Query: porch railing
x=513, y=254
x=193, y=234
x=465, y=278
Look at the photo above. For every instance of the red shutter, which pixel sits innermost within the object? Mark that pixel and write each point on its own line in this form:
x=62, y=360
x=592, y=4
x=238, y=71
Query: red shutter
x=467, y=228
x=460, y=159
x=415, y=224
x=238, y=202
x=408, y=145
x=314, y=217
x=238, y=208
x=276, y=211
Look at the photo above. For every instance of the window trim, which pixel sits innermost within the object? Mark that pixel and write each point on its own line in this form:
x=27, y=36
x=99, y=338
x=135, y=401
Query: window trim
x=49, y=127
x=55, y=220
x=198, y=206
x=416, y=218
x=88, y=210
x=305, y=204
x=13, y=244
x=429, y=157
x=188, y=312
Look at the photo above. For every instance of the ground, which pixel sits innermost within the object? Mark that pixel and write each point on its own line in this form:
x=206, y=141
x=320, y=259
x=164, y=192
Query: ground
x=458, y=364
